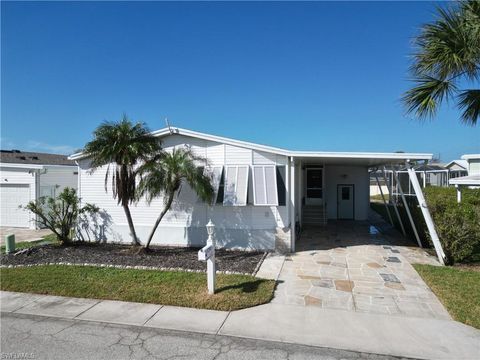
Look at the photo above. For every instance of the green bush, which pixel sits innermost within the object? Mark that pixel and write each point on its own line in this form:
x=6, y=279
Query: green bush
x=60, y=214
x=458, y=225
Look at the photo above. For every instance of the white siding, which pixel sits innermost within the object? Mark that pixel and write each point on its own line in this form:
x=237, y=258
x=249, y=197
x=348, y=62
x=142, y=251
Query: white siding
x=237, y=156
x=244, y=227
x=474, y=167
x=59, y=177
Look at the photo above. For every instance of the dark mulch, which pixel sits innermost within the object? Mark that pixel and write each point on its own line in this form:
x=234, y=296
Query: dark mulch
x=113, y=254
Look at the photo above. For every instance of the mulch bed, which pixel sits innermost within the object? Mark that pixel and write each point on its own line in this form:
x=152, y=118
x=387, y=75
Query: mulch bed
x=121, y=255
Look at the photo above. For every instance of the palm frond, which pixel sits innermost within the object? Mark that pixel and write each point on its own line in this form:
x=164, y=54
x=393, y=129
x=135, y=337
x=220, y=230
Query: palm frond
x=469, y=103
x=166, y=174
x=424, y=99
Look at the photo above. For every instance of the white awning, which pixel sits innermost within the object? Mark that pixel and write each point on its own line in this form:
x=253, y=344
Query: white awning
x=265, y=185
x=215, y=174
x=236, y=185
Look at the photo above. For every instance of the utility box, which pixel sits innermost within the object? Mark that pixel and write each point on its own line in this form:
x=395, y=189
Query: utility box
x=9, y=243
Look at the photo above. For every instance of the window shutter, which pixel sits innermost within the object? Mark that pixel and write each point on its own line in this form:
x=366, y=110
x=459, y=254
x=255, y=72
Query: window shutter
x=265, y=185
x=215, y=174
x=236, y=186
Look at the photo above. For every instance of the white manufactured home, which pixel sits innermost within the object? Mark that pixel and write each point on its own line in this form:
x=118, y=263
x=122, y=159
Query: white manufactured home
x=26, y=176
x=262, y=194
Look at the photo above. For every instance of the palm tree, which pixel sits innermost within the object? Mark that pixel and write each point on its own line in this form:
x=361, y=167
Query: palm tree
x=447, y=63
x=165, y=176
x=122, y=146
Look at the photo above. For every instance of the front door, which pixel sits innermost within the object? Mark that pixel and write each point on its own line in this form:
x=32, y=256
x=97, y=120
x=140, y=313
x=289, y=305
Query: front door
x=314, y=186
x=345, y=202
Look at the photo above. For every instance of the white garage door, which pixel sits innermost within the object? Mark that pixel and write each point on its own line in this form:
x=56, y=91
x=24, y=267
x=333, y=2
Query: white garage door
x=11, y=197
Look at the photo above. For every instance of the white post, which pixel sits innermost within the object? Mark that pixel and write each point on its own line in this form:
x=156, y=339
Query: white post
x=383, y=197
x=426, y=214
x=292, y=204
x=459, y=193
x=394, y=202
x=211, y=260
x=407, y=209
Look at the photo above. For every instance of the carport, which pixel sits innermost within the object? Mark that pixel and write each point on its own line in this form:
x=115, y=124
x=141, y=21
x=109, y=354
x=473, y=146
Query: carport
x=334, y=186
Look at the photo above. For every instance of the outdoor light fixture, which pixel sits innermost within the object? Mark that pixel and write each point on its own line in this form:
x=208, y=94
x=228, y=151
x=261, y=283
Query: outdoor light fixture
x=210, y=228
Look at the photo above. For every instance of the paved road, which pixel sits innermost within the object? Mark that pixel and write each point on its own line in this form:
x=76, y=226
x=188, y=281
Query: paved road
x=35, y=337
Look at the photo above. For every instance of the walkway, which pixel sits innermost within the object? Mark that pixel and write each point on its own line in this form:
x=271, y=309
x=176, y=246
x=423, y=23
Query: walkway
x=352, y=266
x=422, y=338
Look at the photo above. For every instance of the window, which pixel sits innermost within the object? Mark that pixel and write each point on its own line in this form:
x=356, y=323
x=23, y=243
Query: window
x=281, y=187
x=265, y=185
x=345, y=193
x=216, y=175
x=235, y=185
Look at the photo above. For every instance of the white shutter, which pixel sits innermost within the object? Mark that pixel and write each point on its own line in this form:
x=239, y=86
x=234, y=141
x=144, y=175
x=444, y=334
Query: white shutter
x=265, y=185
x=236, y=186
x=215, y=174
x=259, y=195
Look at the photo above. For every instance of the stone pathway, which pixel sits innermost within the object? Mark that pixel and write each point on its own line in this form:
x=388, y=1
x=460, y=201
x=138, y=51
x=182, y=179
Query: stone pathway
x=352, y=266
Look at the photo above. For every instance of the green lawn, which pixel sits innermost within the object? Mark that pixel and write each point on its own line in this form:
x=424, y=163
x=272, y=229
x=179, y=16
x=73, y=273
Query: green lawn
x=457, y=288
x=147, y=286
x=49, y=239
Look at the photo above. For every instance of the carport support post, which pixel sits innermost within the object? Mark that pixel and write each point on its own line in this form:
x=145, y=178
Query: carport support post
x=293, y=237
x=407, y=209
x=394, y=202
x=426, y=214
x=459, y=193
x=383, y=197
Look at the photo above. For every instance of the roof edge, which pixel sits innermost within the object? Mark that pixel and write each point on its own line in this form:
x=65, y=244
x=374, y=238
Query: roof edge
x=274, y=150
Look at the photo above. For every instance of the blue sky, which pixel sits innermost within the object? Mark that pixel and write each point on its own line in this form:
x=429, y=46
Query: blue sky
x=306, y=76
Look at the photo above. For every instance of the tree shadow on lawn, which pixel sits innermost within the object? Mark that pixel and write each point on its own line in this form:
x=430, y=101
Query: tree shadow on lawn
x=246, y=286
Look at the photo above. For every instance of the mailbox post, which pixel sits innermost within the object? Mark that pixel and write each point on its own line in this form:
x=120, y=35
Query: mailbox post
x=207, y=253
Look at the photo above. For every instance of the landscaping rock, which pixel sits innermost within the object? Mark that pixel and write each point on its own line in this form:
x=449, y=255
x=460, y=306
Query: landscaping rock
x=113, y=255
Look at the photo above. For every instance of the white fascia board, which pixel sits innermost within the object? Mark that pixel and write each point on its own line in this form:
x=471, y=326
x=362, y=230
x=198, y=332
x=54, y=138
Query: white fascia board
x=470, y=156
x=364, y=155
x=22, y=166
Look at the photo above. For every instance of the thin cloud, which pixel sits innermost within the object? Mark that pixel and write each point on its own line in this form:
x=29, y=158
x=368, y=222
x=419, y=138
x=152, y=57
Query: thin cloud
x=41, y=146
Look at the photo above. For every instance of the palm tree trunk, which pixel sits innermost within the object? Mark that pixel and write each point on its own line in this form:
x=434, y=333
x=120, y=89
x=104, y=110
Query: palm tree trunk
x=160, y=217
x=130, y=225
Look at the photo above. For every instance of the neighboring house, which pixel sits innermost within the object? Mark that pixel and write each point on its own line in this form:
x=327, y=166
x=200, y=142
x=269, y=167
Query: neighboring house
x=472, y=180
x=25, y=176
x=457, y=168
x=262, y=194
x=473, y=161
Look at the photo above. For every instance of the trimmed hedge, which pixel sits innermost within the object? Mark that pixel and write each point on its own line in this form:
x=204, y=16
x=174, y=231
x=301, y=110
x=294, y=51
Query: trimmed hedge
x=458, y=225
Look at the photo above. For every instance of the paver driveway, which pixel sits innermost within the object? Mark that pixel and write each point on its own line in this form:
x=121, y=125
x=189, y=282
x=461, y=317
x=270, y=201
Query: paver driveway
x=353, y=266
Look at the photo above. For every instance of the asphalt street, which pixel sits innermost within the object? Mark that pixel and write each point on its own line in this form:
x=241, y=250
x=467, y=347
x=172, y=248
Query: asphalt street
x=36, y=337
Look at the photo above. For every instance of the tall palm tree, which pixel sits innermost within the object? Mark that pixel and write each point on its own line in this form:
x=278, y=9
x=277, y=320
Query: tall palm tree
x=447, y=63
x=122, y=146
x=165, y=176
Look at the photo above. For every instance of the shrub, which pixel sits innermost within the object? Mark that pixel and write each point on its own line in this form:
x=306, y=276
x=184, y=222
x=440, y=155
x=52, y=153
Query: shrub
x=458, y=225
x=60, y=214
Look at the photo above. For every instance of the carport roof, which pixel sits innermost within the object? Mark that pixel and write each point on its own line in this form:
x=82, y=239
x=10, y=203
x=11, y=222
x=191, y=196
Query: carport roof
x=351, y=158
